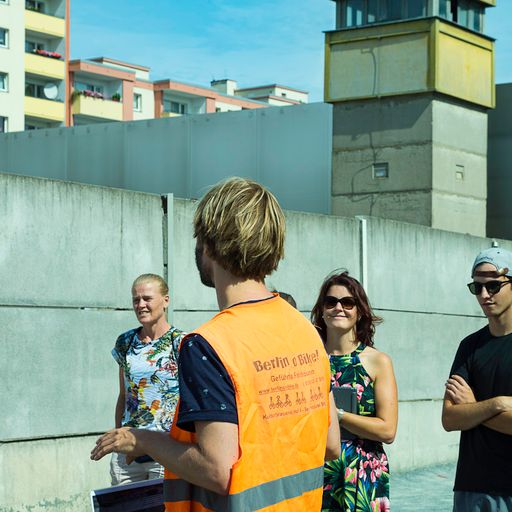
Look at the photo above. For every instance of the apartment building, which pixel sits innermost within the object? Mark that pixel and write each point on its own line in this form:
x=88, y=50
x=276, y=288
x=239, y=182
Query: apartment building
x=41, y=88
x=274, y=94
x=34, y=50
x=105, y=90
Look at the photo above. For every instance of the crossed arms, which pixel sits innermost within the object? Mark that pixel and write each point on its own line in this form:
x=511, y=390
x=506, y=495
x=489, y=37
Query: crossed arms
x=461, y=411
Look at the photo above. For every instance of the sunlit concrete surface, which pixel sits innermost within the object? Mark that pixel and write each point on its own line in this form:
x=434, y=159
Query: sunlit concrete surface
x=428, y=489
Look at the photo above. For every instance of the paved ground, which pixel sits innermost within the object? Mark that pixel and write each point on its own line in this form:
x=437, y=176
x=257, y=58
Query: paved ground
x=428, y=490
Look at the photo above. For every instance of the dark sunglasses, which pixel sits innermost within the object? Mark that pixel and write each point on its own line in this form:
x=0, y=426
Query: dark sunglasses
x=492, y=287
x=347, y=303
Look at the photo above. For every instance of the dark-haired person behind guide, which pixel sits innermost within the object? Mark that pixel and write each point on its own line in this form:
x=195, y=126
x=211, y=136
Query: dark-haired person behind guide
x=478, y=397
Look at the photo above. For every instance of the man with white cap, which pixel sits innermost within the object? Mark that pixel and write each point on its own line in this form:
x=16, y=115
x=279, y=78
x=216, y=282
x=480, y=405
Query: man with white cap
x=478, y=397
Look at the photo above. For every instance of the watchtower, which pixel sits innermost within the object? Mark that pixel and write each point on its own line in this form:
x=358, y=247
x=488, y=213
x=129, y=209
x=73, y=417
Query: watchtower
x=411, y=82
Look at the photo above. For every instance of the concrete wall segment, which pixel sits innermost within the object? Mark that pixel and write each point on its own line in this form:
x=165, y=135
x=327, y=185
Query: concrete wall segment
x=429, y=256
x=51, y=475
x=391, y=64
x=449, y=162
x=421, y=440
x=187, y=292
x=460, y=126
x=315, y=246
x=47, y=237
x=422, y=345
x=499, y=116
x=499, y=206
x=61, y=379
x=406, y=164
x=185, y=155
x=454, y=212
x=409, y=206
x=382, y=122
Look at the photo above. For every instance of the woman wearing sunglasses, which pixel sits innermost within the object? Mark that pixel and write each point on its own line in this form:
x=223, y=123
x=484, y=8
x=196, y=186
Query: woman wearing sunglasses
x=359, y=480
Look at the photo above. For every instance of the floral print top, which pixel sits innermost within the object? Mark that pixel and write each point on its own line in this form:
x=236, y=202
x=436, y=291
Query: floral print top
x=150, y=378
x=359, y=480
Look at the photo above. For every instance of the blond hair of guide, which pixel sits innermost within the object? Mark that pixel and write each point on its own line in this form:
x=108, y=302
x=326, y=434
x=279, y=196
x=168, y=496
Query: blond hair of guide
x=242, y=227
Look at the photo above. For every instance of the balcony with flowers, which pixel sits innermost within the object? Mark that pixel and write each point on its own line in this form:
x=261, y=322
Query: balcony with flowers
x=45, y=63
x=95, y=104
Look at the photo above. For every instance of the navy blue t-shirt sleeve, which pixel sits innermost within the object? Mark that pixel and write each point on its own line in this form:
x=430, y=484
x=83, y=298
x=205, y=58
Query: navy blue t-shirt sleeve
x=206, y=390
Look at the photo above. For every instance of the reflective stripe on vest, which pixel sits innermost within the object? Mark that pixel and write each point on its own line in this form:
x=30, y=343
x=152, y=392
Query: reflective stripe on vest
x=255, y=498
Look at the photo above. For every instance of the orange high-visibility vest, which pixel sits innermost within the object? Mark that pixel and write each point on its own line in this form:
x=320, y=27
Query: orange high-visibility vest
x=280, y=372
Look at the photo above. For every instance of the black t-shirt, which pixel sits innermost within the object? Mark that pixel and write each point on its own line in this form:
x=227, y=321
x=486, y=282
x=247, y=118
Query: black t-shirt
x=485, y=455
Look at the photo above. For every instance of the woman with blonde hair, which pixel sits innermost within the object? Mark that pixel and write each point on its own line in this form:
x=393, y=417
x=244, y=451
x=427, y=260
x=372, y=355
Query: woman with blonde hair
x=148, y=375
x=359, y=479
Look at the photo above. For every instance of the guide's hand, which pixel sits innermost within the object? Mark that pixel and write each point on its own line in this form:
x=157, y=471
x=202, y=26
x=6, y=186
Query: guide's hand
x=458, y=391
x=119, y=440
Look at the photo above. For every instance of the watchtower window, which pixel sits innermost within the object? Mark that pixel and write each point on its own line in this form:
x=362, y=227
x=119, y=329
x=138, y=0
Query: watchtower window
x=467, y=13
x=354, y=13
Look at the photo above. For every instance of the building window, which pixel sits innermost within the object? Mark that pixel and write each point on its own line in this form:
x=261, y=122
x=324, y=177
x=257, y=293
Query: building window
x=31, y=46
x=381, y=170
x=444, y=9
x=137, y=102
x=34, y=5
x=34, y=90
x=355, y=13
x=81, y=86
x=4, y=38
x=467, y=13
x=391, y=10
x=459, y=172
x=4, y=82
x=178, y=108
x=3, y=124
x=416, y=8
x=175, y=107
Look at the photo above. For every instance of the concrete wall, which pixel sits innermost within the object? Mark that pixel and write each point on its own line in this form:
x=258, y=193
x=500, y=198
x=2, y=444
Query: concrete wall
x=459, y=145
x=69, y=254
x=427, y=141
x=184, y=155
x=499, y=205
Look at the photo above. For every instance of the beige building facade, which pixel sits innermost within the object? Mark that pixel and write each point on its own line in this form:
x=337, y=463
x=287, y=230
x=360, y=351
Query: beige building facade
x=34, y=50
x=12, y=70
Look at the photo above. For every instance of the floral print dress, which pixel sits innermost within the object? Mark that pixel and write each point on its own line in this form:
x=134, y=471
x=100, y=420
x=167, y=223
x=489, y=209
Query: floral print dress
x=359, y=480
x=150, y=378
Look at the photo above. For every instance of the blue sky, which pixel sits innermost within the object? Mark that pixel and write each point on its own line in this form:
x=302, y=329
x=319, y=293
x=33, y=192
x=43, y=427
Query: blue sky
x=253, y=42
